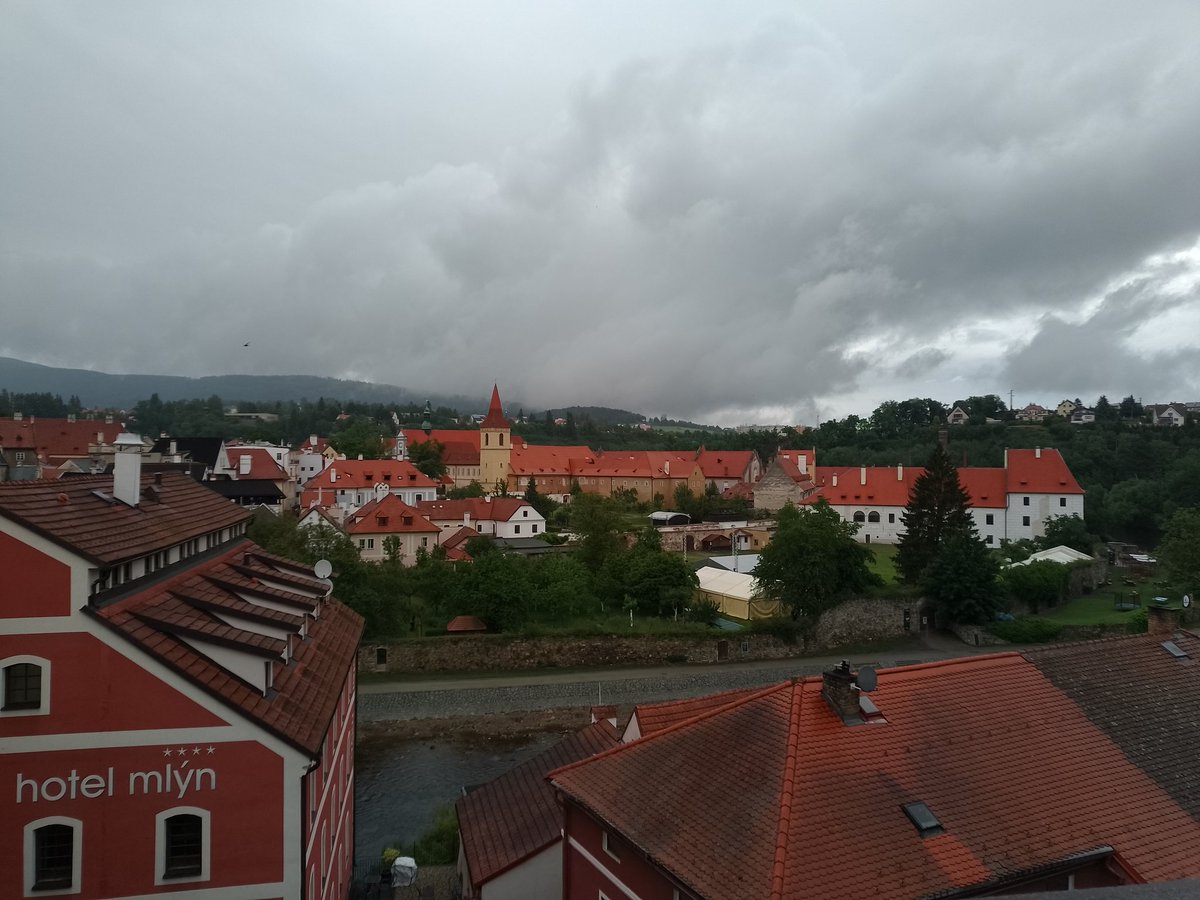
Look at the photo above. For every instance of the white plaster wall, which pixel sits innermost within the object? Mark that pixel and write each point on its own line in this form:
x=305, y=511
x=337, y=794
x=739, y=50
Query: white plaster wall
x=525, y=518
x=1041, y=507
x=881, y=532
x=538, y=878
x=996, y=530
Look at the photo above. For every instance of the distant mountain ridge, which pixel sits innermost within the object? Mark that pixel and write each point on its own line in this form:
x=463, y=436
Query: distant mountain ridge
x=123, y=391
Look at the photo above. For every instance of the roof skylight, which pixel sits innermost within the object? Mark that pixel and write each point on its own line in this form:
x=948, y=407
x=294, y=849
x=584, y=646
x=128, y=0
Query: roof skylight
x=927, y=824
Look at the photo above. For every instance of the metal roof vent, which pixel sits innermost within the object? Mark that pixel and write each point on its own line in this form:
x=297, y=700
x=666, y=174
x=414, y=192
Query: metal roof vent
x=1174, y=649
x=923, y=819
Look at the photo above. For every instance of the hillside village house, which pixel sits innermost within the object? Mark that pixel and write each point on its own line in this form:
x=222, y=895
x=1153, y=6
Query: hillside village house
x=351, y=483
x=39, y=447
x=370, y=526
x=997, y=774
x=1173, y=414
x=1008, y=503
x=178, y=705
x=502, y=517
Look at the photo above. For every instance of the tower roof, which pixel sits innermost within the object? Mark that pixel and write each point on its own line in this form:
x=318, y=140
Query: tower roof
x=495, y=414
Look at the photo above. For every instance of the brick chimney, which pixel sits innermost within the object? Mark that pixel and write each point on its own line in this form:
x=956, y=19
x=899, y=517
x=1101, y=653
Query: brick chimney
x=1163, y=620
x=840, y=693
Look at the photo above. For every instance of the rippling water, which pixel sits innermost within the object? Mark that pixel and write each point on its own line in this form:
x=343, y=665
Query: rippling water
x=402, y=783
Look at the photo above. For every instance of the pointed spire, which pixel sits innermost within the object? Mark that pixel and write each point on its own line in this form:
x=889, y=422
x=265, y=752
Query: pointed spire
x=495, y=415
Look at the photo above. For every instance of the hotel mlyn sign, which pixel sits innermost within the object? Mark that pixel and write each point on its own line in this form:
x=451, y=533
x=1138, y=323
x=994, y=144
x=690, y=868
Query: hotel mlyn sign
x=174, y=778
x=176, y=705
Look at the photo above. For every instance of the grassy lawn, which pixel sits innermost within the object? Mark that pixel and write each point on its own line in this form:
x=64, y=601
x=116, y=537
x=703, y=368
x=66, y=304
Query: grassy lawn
x=1094, y=609
x=884, y=564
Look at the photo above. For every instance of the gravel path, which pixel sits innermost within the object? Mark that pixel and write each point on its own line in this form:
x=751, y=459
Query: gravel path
x=423, y=699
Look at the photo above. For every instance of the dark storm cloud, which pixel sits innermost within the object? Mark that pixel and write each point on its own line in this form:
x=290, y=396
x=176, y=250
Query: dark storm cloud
x=750, y=223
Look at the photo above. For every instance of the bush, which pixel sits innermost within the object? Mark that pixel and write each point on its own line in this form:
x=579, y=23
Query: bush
x=1026, y=630
x=1138, y=623
x=786, y=630
x=438, y=845
x=704, y=611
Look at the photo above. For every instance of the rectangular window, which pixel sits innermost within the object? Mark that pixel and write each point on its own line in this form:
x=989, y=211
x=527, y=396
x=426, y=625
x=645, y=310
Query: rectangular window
x=20, y=456
x=892, y=518
x=988, y=539
x=184, y=846
x=1025, y=501
x=990, y=519
x=370, y=543
x=608, y=846
x=1024, y=520
x=53, y=857
x=535, y=528
x=516, y=529
x=1062, y=501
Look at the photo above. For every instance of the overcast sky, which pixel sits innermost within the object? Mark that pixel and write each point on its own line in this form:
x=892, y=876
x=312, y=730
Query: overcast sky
x=769, y=212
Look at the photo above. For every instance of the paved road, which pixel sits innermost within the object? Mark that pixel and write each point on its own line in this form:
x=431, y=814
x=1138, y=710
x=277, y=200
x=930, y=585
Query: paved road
x=510, y=692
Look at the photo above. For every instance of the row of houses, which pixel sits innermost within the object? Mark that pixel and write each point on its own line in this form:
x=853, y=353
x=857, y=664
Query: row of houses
x=1165, y=414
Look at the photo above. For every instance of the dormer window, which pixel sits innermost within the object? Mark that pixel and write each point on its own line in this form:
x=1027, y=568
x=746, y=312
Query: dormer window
x=408, y=520
x=382, y=520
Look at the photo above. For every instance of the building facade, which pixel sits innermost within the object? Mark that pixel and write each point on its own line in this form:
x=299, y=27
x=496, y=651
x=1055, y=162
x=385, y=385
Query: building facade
x=178, y=705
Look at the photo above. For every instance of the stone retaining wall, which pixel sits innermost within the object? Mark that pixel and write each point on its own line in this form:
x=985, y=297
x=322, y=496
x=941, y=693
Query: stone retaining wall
x=855, y=621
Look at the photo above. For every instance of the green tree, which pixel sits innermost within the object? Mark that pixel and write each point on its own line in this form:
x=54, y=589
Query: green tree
x=937, y=506
x=474, y=489
x=960, y=582
x=598, y=525
x=812, y=563
x=427, y=457
x=1038, y=584
x=1068, y=531
x=658, y=583
x=361, y=437
x=1180, y=549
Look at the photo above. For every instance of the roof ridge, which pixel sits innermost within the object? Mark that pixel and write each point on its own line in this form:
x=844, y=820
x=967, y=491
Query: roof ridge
x=787, y=791
x=1105, y=639
x=671, y=729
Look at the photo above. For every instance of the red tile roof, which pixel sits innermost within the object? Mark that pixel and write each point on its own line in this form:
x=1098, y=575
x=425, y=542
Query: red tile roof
x=457, y=537
x=480, y=509
x=724, y=463
x=891, y=486
x=789, y=461
x=70, y=512
x=1040, y=472
x=655, y=717
x=56, y=440
x=445, y=437
x=466, y=625
x=495, y=414
x=300, y=705
x=1014, y=770
x=532, y=459
x=511, y=818
x=262, y=464
x=389, y=515
x=357, y=474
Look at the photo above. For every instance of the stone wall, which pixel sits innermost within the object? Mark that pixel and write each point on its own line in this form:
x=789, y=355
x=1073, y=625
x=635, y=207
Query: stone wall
x=855, y=621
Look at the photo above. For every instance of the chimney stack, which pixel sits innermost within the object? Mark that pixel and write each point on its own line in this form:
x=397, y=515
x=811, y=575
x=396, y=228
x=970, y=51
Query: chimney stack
x=1162, y=620
x=834, y=479
x=127, y=469
x=900, y=472
x=1037, y=452
x=840, y=692
x=862, y=475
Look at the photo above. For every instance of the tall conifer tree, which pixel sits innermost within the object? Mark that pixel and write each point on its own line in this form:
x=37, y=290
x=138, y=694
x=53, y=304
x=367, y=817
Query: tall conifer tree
x=938, y=506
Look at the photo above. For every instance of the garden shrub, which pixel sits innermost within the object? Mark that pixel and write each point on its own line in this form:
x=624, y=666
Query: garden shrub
x=1026, y=630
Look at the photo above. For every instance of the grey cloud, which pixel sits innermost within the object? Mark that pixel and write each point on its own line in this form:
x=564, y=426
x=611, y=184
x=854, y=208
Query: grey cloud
x=710, y=229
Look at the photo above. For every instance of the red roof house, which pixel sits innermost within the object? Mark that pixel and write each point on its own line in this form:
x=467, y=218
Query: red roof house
x=390, y=517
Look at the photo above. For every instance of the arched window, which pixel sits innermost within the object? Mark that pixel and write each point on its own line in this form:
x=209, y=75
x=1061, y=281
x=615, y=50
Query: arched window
x=25, y=689
x=53, y=851
x=860, y=516
x=183, y=844
x=872, y=517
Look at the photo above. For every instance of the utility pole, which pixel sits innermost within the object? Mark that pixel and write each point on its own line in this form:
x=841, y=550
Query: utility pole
x=1010, y=399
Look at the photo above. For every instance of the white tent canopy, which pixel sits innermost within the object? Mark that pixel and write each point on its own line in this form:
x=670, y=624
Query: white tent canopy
x=1060, y=554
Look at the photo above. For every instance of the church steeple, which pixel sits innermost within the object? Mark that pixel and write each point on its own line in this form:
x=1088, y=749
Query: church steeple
x=495, y=445
x=495, y=414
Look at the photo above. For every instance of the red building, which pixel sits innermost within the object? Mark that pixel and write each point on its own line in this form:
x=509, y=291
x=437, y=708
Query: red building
x=178, y=705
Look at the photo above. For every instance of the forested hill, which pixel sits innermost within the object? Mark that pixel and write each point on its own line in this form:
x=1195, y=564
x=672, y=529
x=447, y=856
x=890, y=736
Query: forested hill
x=101, y=389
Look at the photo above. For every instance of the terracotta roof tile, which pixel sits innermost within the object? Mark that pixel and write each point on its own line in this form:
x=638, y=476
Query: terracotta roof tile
x=305, y=692
x=495, y=414
x=509, y=819
x=389, y=515
x=56, y=440
x=480, y=509
x=70, y=513
x=1015, y=771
